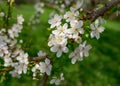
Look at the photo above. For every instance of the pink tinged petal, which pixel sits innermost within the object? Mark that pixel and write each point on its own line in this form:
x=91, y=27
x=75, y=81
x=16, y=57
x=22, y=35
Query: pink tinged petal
x=73, y=61
x=59, y=53
x=92, y=26
x=54, y=49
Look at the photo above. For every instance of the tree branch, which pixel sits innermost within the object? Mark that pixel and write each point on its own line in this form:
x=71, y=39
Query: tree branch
x=44, y=80
x=38, y=58
x=100, y=12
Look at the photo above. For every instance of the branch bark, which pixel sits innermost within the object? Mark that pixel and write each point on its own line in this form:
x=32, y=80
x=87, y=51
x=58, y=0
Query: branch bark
x=100, y=12
x=44, y=80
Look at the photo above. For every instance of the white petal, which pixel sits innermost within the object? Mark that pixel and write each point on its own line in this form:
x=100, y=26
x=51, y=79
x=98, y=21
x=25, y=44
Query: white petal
x=65, y=26
x=59, y=53
x=52, y=26
x=52, y=81
x=65, y=49
x=55, y=32
x=80, y=24
x=47, y=61
x=101, y=29
x=73, y=60
x=88, y=47
x=54, y=49
x=48, y=72
x=97, y=35
x=92, y=26
x=96, y=23
x=92, y=34
x=86, y=54
x=57, y=82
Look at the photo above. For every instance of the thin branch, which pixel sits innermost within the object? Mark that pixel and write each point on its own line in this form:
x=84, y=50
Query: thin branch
x=100, y=12
x=44, y=80
x=38, y=58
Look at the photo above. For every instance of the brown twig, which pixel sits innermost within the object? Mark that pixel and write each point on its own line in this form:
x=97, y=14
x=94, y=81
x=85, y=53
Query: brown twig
x=100, y=12
x=37, y=58
x=44, y=80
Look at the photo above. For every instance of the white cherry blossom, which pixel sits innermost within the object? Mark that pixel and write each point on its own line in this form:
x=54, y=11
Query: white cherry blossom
x=75, y=56
x=71, y=15
x=56, y=80
x=20, y=19
x=61, y=30
x=41, y=53
x=56, y=21
x=59, y=48
x=96, y=29
x=35, y=68
x=23, y=57
x=84, y=49
x=20, y=68
x=46, y=67
x=8, y=62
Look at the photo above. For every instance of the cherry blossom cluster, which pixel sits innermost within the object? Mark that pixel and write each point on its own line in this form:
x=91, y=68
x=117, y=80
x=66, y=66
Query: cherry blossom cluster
x=42, y=67
x=69, y=27
x=35, y=19
x=13, y=56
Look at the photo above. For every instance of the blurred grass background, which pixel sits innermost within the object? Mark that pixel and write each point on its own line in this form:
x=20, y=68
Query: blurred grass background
x=101, y=68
